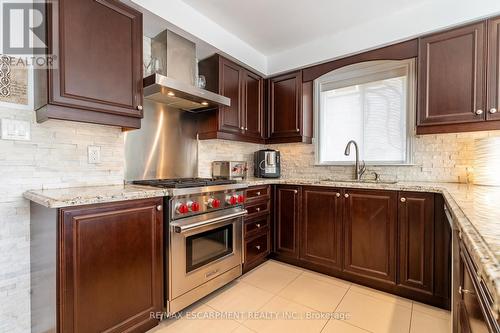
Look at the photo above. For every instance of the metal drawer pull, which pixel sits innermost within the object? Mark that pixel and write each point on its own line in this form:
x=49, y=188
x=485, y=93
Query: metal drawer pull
x=493, y=110
x=337, y=195
x=257, y=247
x=139, y=107
x=479, y=112
x=258, y=225
x=257, y=209
x=295, y=191
x=159, y=208
x=209, y=274
x=258, y=193
x=462, y=291
x=346, y=195
x=403, y=199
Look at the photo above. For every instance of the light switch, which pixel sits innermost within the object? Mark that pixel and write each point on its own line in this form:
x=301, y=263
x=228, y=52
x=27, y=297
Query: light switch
x=13, y=129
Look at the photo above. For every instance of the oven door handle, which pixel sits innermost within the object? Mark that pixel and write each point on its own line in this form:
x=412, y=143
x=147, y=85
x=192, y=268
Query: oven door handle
x=184, y=228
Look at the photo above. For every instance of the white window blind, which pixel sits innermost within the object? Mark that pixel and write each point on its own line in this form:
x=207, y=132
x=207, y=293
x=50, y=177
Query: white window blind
x=370, y=103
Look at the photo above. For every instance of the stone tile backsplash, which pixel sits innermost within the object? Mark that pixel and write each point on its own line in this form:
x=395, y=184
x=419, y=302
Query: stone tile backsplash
x=55, y=157
x=440, y=158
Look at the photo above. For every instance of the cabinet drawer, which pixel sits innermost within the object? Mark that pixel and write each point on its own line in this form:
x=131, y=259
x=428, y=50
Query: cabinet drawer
x=258, y=225
x=257, y=247
x=258, y=193
x=257, y=209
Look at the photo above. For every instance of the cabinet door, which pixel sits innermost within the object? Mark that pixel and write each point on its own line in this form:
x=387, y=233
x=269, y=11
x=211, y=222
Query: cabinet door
x=452, y=76
x=253, y=103
x=321, y=227
x=99, y=49
x=287, y=212
x=111, y=267
x=230, y=117
x=370, y=234
x=494, y=69
x=285, y=105
x=416, y=241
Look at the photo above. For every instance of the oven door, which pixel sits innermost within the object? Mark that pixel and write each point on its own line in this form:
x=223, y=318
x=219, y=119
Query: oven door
x=202, y=248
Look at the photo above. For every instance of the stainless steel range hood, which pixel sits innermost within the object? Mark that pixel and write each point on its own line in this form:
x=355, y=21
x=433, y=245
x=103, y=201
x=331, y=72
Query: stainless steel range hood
x=173, y=84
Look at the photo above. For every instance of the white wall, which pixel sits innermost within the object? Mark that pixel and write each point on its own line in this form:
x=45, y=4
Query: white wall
x=55, y=157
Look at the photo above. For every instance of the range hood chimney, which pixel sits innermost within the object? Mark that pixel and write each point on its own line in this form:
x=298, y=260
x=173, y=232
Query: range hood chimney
x=176, y=71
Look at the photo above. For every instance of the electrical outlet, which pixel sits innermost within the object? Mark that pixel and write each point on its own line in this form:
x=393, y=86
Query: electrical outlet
x=13, y=129
x=94, y=154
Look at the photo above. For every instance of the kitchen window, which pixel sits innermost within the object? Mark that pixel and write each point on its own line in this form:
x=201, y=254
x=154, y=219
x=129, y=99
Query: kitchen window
x=372, y=103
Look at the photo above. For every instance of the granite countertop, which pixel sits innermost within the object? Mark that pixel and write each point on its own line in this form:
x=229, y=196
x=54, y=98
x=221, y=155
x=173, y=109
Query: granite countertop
x=475, y=211
x=76, y=196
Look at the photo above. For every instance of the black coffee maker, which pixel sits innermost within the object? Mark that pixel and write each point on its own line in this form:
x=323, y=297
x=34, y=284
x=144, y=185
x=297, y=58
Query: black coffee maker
x=267, y=163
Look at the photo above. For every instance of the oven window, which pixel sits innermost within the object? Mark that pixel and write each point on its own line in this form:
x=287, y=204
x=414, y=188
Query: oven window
x=208, y=246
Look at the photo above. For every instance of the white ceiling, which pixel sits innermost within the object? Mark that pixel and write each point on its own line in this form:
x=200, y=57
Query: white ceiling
x=273, y=26
x=273, y=36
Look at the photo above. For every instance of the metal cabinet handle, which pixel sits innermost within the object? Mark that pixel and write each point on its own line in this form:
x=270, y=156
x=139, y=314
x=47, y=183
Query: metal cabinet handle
x=462, y=291
x=246, y=128
x=297, y=129
x=493, y=110
x=295, y=191
x=258, y=225
x=258, y=193
x=403, y=199
x=242, y=128
x=257, y=247
x=257, y=209
x=346, y=195
x=159, y=208
x=478, y=112
x=337, y=195
x=139, y=107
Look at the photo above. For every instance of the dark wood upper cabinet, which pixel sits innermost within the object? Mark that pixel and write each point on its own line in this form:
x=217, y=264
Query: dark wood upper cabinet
x=244, y=119
x=458, y=79
x=98, y=76
x=451, y=76
x=416, y=239
x=289, y=121
x=370, y=234
x=493, y=75
x=253, y=104
x=321, y=227
x=287, y=219
x=111, y=273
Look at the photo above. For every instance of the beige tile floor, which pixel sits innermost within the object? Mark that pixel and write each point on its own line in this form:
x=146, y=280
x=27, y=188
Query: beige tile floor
x=276, y=297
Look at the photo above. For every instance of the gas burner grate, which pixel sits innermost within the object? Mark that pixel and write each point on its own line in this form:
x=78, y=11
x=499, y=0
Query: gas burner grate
x=183, y=182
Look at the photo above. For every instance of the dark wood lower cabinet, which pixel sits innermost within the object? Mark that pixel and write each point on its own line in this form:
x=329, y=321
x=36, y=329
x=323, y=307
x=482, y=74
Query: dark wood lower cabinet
x=398, y=242
x=287, y=216
x=257, y=227
x=416, y=237
x=370, y=234
x=109, y=271
x=321, y=227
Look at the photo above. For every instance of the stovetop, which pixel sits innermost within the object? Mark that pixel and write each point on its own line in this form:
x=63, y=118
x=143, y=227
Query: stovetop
x=184, y=182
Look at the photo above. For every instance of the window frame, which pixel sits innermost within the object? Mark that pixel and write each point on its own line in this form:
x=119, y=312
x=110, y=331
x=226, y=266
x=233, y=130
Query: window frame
x=357, y=70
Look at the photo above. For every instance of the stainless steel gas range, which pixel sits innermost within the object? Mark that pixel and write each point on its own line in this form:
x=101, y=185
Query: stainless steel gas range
x=204, y=238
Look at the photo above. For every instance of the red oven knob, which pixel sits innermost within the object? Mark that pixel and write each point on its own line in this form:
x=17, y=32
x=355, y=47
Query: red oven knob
x=232, y=200
x=241, y=198
x=193, y=206
x=182, y=208
x=213, y=203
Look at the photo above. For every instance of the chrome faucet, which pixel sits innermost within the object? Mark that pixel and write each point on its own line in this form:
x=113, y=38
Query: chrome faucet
x=359, y=169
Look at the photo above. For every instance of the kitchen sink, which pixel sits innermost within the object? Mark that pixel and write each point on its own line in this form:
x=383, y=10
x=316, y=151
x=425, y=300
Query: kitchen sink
x=363, y=181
